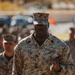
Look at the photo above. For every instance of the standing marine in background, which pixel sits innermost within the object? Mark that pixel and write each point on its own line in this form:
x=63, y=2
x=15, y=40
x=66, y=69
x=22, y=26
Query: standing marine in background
x=6, y=57
x=71, y=44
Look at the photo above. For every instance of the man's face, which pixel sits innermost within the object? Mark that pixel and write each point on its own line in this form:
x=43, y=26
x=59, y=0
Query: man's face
x=8, y=46
x=41, y=30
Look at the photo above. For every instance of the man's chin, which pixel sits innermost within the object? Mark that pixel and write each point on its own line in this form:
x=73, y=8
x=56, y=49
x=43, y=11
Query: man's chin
x=41, y=35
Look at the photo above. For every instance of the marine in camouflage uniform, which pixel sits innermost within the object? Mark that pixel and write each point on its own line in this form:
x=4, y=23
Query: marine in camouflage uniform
x=71, y=44
x=6, y=57
x=5, y=65
x=32, y=58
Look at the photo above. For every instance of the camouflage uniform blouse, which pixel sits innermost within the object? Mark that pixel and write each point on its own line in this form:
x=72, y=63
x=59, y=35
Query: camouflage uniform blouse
x=32, y=59
x=72, y=50
x=5, y=65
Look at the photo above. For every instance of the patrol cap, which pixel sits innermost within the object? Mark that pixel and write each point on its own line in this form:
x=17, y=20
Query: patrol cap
x=9, y=38
x=40, y=18
x=72, y=29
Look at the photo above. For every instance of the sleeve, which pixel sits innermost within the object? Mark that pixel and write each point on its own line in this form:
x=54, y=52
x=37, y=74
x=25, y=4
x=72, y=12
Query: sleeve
x=17, y=61
x=66, y=62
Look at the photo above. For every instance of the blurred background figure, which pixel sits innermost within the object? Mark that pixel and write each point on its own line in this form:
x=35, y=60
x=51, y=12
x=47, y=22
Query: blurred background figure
x=72, y=34
x=6, y=57
x=1, y=43
x=5, y=29
x=71, y=43
x=25, y=32
x=15, y=32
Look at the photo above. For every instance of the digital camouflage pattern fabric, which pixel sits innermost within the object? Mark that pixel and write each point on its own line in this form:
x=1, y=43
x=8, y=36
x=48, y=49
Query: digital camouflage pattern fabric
x=5, y=65
x=32, y=59
x=40, y=18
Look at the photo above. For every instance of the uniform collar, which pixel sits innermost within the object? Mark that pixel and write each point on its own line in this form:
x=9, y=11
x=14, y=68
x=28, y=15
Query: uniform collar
x=46, y=43
x=4, y=58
